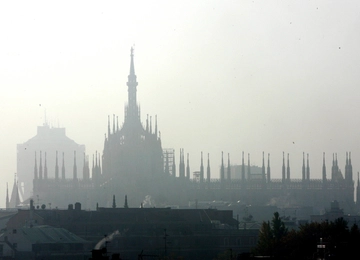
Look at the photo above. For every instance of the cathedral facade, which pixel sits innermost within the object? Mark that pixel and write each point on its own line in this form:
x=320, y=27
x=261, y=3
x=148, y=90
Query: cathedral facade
x=134, y=164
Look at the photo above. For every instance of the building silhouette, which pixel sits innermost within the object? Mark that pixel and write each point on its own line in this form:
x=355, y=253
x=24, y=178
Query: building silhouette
x=48, y=145
x=134, y=164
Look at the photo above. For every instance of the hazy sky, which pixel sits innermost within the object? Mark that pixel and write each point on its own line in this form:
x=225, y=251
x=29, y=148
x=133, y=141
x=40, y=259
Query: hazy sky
x=231, y=76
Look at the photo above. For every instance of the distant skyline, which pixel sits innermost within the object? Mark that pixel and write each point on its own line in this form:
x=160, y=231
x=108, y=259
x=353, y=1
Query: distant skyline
x=231, y=76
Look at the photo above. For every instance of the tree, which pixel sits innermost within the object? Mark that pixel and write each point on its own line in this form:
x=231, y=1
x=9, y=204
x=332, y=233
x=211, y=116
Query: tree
x=278, y=227
x=270, y=236
x=265, y=242
x=339, y=242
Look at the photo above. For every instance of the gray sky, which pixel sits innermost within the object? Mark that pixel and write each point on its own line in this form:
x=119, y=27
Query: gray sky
x=227, y=76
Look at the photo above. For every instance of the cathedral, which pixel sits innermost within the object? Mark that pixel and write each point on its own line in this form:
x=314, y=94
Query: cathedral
x=134, y=165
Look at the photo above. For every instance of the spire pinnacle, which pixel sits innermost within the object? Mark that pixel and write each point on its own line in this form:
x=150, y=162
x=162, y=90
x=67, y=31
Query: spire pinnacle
x=132, y=68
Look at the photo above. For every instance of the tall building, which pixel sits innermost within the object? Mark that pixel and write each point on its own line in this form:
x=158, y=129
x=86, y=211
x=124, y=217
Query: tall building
x=133, y=151
x=43, y=149
x=134, y=165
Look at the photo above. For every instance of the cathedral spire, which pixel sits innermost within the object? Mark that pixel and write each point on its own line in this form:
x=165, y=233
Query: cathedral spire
x=307, y=168
x=182, y=164
x=147, y=123
x=126, y=202
x=268, y=169
x=40, y=168
x=303, y=167
x=35, y=169
x=187, y=167
x=150, y=125
x=288, y=168
x=86, y=169
x=132, y=112
x=113, y=123
x=114, y=202
x=222, y=169
x=56, y=167
x=15, y=197
x=132, y=68
x=228, y=169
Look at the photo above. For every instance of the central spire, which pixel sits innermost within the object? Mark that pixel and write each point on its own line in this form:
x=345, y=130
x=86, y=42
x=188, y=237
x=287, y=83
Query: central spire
x=132, y=111
x=132, y=69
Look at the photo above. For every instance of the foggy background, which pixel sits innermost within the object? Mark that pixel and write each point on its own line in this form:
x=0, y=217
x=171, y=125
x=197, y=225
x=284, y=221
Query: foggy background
x=227, y=76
